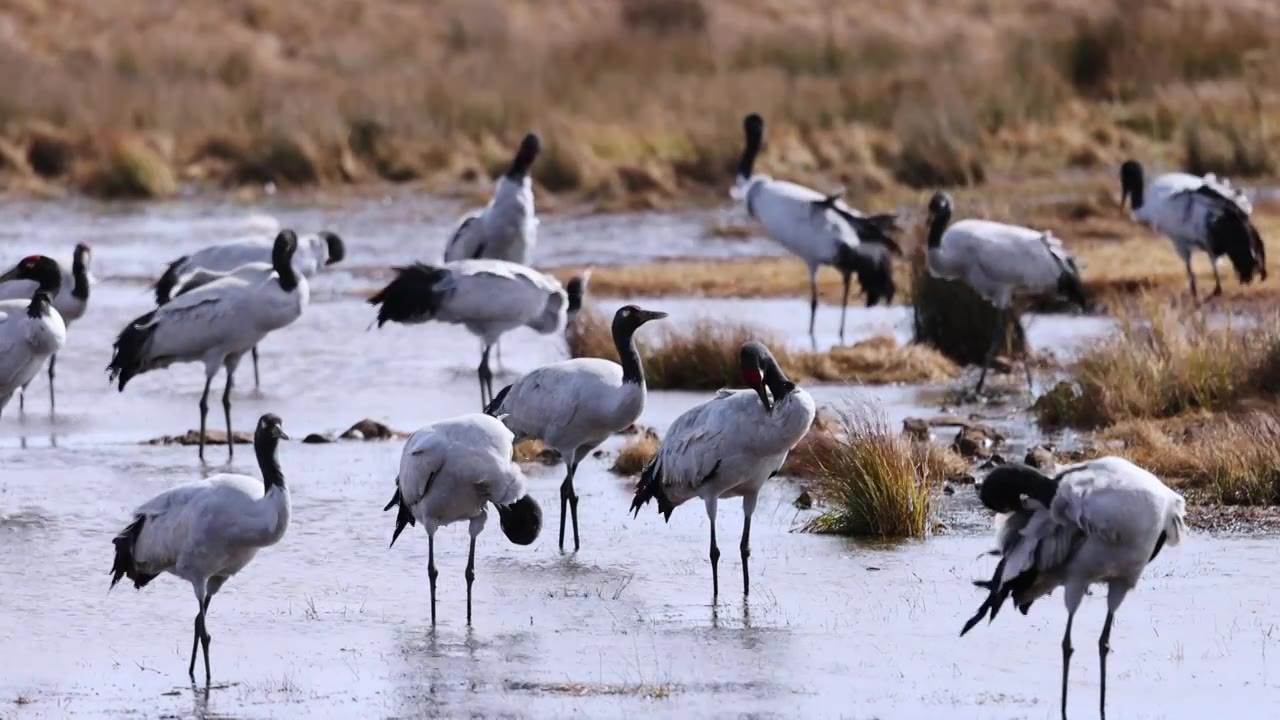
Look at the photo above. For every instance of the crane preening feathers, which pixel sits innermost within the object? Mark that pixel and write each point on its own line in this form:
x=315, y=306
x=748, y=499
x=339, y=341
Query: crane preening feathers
x=818, y=228
x=728, y=447
x=1100, y=521
x=449, y=471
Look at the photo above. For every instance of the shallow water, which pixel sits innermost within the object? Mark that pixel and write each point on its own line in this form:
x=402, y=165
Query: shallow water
x=332, y=623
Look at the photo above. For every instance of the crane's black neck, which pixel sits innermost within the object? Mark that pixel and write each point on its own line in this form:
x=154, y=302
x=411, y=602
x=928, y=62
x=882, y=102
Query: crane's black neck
x=282, y=260
x=39, y=305
x=779, y=384
x=753, y=129
x=938, y=225
x=624, y=339
x=265, y=446
x=80, y=275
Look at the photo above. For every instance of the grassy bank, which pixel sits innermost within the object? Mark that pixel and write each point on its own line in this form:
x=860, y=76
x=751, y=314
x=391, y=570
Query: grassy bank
x=639, y=100
x=703, y=355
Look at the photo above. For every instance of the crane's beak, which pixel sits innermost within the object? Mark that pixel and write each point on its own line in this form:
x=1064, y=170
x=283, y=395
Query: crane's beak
x=647, y=315
x=764, y=397
x=13, y=273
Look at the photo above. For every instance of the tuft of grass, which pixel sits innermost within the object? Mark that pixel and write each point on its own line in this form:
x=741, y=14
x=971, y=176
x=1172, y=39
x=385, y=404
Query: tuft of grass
x=1231, y=460
x=636, y=453
x=1226, y=148
x=873, y=481
x=704, y=356
x=949, y=316
x=1162, y=363
x=280, y=158
x=132, y=169
x=663, y=17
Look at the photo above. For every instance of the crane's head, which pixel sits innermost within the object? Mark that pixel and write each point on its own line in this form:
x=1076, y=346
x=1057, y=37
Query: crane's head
x=630, y=317
x=756, y=367
x=1131, y=183
x=335, y=249
x=521, y=520
x=270, y=426
x=41, y=270
x=81, y=257
x=528, y=151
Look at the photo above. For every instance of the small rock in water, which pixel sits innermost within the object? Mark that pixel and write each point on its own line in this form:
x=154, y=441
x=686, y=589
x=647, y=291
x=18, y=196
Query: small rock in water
x=370, y=430
x=211, y=437
x=804, y=501
x=917, y=429
x=1041, y=457
x=317, y=439
x=977, y=441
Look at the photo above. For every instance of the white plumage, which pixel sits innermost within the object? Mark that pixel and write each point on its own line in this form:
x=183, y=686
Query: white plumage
x=487, y=297
x=1100, y=521
x=31, y=330
x=728, y=447
x=214, y=324
x=1198, y=213
x=449, y=471
x=819, y=229
x=207, y=531
x=506, y=228
x=314, y=252
x=997, y=261
x=71, y=301
x=575, y=405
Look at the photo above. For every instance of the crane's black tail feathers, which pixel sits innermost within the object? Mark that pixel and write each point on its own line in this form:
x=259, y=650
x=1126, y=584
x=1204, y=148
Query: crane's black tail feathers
x=128, y=357
x=1231, y=233
x=878, y=228
x=1072, y=289
x=404, y=517
x=169, y=280
x=650, y=487
x=412, y=297
x=495, y=405
x=124, y=564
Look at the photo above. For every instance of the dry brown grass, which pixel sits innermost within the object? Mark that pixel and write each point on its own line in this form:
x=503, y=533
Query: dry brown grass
x=650, y=91
x=1229, y=459
x=703, y=355
x=1163, y=362
x=873, y=481
x=636, y=453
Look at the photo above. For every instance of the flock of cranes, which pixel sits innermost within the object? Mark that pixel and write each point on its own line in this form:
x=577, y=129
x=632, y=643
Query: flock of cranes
x=1097, y=522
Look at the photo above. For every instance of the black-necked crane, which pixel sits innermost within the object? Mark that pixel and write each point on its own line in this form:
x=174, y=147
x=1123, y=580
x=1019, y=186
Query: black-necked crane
x=487, y=297
x=728, y=447
x=999, y=261
x=71, y=300
x=207, y=531
x=215, y=324
x=451, y=471
x=31, y=330
x=575, y=405
x=506, y=228
x=1198, y=213
x=1101, y=521
x=820, y=229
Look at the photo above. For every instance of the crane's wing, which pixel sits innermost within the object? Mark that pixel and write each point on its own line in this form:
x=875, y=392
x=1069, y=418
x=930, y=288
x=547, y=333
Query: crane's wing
x=467, y=242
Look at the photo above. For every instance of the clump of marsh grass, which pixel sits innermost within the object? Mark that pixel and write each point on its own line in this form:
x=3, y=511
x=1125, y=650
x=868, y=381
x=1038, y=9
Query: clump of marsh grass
x=1161, y=363
x=1229, y=460
x=704, y=356
x=873, y=481
x=132, y=169
x=636, y=453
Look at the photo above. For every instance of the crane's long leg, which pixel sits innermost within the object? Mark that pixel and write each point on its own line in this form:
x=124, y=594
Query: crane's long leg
x=471, y=574
x=813, y=303
x=204, y=409
x=1191, y=277
x=715, y=552
x=202, y=603
x=432, y=573
x=748, y=507
x=569, y=499
x=486, y=378
x=257, y=384
x=844, y=305
x=53, y=360
x=1104, y=647
x=1217, y=279
x=1066, y=660
x=230, y=366
x=996, y=338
